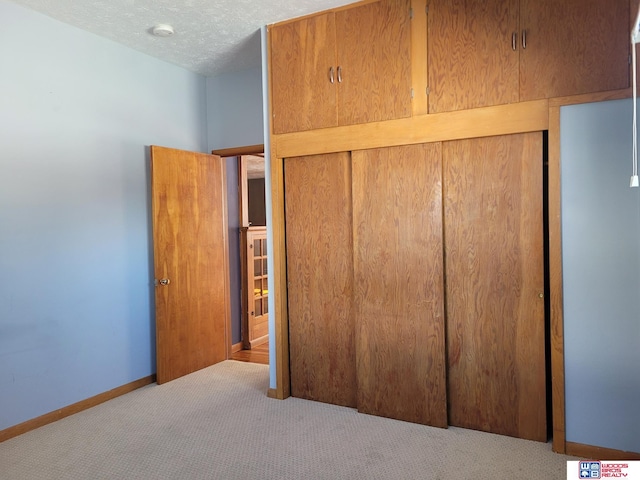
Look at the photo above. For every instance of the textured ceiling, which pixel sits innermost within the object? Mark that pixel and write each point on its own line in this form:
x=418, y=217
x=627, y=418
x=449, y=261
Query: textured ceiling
x=211, y=36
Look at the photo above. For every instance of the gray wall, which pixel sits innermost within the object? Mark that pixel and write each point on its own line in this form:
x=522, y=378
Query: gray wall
x=601, y=275
x=235, y=274
x=234, y=106
x=77, y=113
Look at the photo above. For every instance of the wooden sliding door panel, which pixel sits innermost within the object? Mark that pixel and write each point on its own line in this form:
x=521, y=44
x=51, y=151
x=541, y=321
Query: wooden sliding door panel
x=374, y=62
x=398, y=281
x=302, y=56
x=472, y=61
x=320, y=278
x=494, y=261
x=573, y=47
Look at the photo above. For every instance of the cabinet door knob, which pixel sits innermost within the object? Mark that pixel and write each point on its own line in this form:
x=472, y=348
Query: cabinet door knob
x=331, y=75
x=514, y=41
x=339, y=74
x=524, y=39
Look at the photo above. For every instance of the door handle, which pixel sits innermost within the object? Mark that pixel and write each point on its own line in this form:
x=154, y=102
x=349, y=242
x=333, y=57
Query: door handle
x=165, y=281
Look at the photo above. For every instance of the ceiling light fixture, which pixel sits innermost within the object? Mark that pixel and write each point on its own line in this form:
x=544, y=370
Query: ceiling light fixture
x=162, y=30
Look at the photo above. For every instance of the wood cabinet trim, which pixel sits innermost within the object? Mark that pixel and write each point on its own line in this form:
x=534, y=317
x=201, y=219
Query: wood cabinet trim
x=555, y=282
x=479, y=122
x=590, y=98
x=235, y=151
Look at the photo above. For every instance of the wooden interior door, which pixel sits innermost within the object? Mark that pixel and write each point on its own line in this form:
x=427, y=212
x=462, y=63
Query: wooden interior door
x=374, y=62
x=320, y=278
x=472, y=62
x=303, y=54
x=494, y=256
x=398, y=280
x=573, y=47
x=190, y=261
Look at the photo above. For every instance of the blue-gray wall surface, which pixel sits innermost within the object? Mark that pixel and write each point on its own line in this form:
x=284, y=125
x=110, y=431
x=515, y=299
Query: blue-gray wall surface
x=77, y=113
x=233, y=225
x=601, y=276
x=234, y=106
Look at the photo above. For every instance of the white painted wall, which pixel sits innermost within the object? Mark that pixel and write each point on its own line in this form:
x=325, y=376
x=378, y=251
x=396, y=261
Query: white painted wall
x=601, y=276
x=77, y=113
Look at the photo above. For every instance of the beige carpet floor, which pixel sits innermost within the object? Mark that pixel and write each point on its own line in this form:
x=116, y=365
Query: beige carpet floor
x=218, y=424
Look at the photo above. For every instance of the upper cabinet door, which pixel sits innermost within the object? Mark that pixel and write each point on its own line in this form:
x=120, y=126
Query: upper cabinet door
x=473, y=59
x=571, y=47
x=302, y=61
x=374, y=62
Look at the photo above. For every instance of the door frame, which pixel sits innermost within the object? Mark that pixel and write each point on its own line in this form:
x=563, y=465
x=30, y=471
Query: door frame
x=243, y=217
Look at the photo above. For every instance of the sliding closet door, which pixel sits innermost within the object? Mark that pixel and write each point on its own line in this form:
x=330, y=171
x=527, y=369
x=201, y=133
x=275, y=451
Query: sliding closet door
x=398, y=283
x=494, y=284
x=320, y=278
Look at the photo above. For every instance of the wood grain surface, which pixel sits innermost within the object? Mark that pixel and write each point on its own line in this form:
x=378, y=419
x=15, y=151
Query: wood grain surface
x=573, y=47
x=478, y=122
x=471, y=60
x=398, y=278
x=374, y=55
x=494, y=261
x=190, y=250
x=279, y=275
x=419, y=58
x=320, y=278
x=555, y=285
x=302, y=96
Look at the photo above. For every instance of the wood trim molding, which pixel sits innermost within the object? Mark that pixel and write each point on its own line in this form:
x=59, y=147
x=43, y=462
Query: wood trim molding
x=590, y=98
x=234, y=152
x=555, y=281
x=227, y=287
x=280, y=340
x=243, y=191
x=283, y=382
x=599, y=453
x=236, y=347
x=438, y=127
x=56, y=415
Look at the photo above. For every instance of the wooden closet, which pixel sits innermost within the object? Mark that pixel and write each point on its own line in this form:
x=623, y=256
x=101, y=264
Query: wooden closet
x=492, y=52
x=327, y=65
x=412, y=243
x=368, y=236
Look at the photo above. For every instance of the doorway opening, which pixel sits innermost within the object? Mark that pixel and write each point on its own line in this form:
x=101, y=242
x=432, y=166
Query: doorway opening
x=248, y=233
